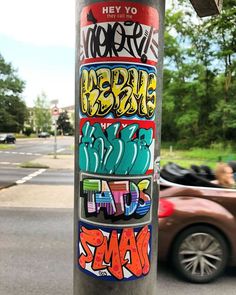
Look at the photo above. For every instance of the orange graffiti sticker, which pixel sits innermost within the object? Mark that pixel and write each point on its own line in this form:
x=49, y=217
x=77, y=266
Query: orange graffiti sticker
x=114, y=254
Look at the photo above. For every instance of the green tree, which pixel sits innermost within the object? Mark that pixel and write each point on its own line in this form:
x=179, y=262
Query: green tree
x=63, y=123
x=42, y=114
x=214, y=43
x=221, y=30
x=13, y=111
x=181, y=84
x=199, y=76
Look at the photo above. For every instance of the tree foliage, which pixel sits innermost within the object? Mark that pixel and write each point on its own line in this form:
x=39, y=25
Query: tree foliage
x=13, y=111
x=63, y=123
x=42, y=114
x=199, y=77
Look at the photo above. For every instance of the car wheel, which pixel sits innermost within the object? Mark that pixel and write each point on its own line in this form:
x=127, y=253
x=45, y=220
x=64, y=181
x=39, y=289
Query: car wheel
x=200, y=254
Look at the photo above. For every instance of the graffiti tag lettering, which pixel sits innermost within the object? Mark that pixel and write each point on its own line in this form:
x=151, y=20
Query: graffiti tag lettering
x=125, y=152
x=116, y=198
x=118, y=9
x=115, y=252
x=118, y=113
x=127, y=39
x=118, y=91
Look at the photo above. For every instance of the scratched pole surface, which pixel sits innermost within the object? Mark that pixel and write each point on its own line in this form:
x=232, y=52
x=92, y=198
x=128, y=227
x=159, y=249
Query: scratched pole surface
x=119, y=59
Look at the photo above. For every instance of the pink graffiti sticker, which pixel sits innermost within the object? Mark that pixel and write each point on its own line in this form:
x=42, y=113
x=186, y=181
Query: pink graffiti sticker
x=114, y=254
x=117, y=147
x=120, y=31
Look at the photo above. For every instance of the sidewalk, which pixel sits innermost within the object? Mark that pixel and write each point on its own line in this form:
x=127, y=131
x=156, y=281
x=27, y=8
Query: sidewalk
x=42, y=196
x=61, y=162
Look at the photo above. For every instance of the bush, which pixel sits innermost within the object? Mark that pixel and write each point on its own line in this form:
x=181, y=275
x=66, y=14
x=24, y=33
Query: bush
x=28, y=131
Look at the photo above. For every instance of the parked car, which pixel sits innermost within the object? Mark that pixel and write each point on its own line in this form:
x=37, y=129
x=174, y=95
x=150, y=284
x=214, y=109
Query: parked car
x=7, y=138
x=44, y=134
x=197, y=223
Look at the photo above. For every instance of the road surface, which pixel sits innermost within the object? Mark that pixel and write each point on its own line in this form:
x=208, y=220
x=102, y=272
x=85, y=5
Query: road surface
x=36, y=244
x=36, y=257
x=10, y=175
x=27, y=150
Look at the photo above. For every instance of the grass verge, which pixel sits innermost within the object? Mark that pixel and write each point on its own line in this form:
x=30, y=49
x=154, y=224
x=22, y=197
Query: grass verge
x=34, y=165
x=6, y=147
x=197, y=156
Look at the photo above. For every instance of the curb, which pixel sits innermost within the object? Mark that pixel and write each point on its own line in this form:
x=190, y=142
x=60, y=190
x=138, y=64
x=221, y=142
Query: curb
x=8, y=185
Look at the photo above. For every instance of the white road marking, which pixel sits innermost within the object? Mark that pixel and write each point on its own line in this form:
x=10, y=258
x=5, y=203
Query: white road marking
x=30, y=176
x=20, y=181
x=8, y=163
x=61, y=150
x=36, y=173
x=26, y=178
x=21, y=153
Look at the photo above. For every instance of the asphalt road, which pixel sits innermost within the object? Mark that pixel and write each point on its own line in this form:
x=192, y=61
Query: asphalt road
x=36, y=257
x=10, y=175
x=45, y=145
x=36, y=244
x=27, y=150
x=62, y=177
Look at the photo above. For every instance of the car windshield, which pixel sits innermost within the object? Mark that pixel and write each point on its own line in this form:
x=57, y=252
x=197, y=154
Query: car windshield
x=201, y=176
x=3, y=135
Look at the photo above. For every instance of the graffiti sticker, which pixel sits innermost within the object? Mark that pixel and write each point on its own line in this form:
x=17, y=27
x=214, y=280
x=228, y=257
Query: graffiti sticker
x=114, y=254
x=118, y=90
x=117, y=135
x=117, y=148
x=124, y=31
x=121, y=201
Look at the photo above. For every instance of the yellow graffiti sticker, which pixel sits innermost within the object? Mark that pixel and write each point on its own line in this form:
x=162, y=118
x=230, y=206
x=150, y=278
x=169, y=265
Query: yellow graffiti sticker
x=119, y=91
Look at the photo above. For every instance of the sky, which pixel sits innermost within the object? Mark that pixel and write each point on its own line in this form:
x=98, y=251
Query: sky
x=37, y=37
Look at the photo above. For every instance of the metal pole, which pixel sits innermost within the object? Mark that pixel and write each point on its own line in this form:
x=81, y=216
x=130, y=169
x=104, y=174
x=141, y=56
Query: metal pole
x=55, y=140
x=119, y=61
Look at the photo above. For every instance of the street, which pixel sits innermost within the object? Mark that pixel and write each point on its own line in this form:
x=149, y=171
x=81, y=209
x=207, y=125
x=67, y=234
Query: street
x=36, y=227
x=27, y=150
x=36, y=257
x=9, y=175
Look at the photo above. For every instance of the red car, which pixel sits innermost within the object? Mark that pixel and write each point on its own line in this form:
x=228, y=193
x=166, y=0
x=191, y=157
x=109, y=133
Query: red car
x=197, y=223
